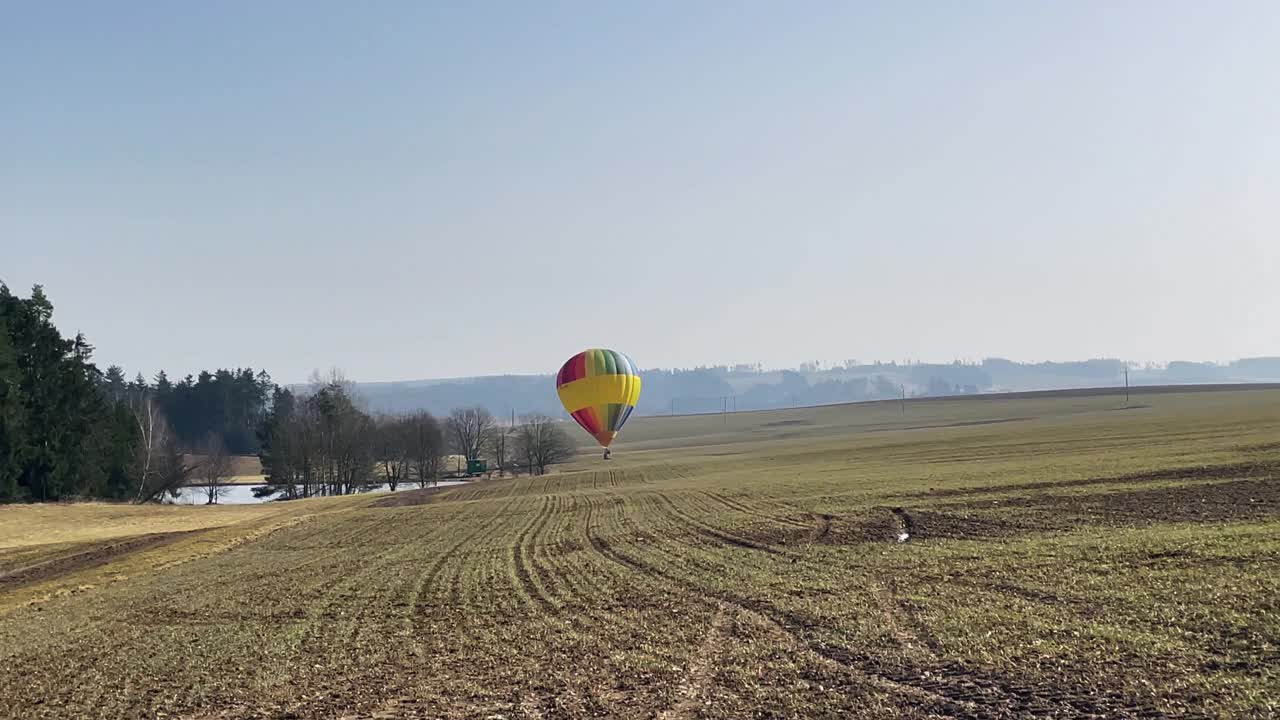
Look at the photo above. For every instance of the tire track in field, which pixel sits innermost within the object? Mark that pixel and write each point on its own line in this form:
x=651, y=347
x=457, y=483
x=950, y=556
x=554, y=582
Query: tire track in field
x=588, y=693
x=676, y=533
x=522, y=560
x=318, y=601
x=583, y=584
x=605, y=549
x=672, y=531
x=87, y=557
x=601, y=548
x=669, y=507
x=548, y=621
x=561, y=576
x=701, y=671
x=664, y=472
x=341, y=603
x=953, y=688
x=491, y=527
x=306, y=595
x=898, y=607
x=748, y=510
x=352, y=616
x=419, y=612
x=473, y=581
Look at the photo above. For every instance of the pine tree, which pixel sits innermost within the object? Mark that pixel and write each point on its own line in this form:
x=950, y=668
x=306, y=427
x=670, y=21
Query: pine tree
x=115, y=386
x=13, y=437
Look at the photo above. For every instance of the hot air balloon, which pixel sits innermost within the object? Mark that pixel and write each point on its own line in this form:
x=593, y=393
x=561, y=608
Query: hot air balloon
x=599, y=388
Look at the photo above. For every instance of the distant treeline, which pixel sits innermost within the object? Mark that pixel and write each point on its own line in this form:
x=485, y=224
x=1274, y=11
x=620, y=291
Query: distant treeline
x=69, y=430
x=749, y=387
x=323, y=443
x=226, y=404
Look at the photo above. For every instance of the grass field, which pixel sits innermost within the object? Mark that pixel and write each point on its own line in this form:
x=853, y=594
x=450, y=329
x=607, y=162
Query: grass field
x=1070, y=556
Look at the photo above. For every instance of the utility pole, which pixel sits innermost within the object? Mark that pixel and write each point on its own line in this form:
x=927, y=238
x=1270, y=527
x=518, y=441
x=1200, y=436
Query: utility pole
x=904, y=399
x=1126, y=383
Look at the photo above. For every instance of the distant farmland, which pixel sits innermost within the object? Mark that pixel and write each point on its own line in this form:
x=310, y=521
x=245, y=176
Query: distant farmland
x=1065, y=556
x=245, y=469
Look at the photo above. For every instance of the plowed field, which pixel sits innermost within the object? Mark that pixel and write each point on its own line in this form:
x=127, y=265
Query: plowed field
x=1062, y=560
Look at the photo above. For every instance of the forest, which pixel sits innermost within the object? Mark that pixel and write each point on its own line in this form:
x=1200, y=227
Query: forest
x=69, y=430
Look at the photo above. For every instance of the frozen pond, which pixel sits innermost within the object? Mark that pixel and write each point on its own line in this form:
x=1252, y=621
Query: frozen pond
x=243, y=494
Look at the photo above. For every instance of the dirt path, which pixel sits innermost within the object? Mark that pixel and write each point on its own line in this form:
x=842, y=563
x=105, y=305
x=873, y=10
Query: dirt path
x=700, y=672
x=84, y=559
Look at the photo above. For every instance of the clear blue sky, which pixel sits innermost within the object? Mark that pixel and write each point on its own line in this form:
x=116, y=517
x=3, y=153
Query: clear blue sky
x=414, y=189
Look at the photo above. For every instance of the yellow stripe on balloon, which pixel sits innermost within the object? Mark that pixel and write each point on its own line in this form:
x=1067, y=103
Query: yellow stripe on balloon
x=600, y=390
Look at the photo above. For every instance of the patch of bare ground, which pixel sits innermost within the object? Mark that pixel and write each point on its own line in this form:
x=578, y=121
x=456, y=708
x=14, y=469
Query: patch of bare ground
x=1233, y=500
x=1193, y=472
x=958, y=424
x=1267, y=447
x=883, y=525
x=1254, y=498
x=786, y=423
x=408, y=498
x=979, y=519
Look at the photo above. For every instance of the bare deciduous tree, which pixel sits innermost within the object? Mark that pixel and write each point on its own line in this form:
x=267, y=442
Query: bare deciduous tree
x=500, y=446
x=160, y=466
x=214, y=470
x=322, y=443
x=426, y=446
x=392, y=438
x=345, y=440
x=469, y=431
x=335, y=380
x=542, y=442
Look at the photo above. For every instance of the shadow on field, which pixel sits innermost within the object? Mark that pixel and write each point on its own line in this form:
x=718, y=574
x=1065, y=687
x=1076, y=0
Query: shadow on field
x=407, y=498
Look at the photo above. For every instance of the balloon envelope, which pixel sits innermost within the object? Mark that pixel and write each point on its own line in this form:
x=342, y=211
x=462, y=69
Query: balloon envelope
x=599, y=388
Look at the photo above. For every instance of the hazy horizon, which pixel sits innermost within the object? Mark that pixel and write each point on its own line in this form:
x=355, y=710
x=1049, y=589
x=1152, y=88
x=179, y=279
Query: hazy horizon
x=412, y=191
x=826, y=367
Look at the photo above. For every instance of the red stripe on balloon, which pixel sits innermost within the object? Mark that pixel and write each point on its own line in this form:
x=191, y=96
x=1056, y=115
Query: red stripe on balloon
x=586, y=417
x=574, y=369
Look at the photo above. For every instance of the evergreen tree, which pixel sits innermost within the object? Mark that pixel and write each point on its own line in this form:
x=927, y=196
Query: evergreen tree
x=53, y=409
x=13, y=438
x=163, y=386
x=115, y=386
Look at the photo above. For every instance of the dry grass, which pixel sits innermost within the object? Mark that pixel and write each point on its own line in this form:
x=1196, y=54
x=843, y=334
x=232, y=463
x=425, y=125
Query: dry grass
x=1068, y=559
x=25, y=525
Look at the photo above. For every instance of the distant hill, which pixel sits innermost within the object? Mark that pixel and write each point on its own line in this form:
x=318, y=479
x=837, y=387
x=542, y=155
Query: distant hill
x=710, y=389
